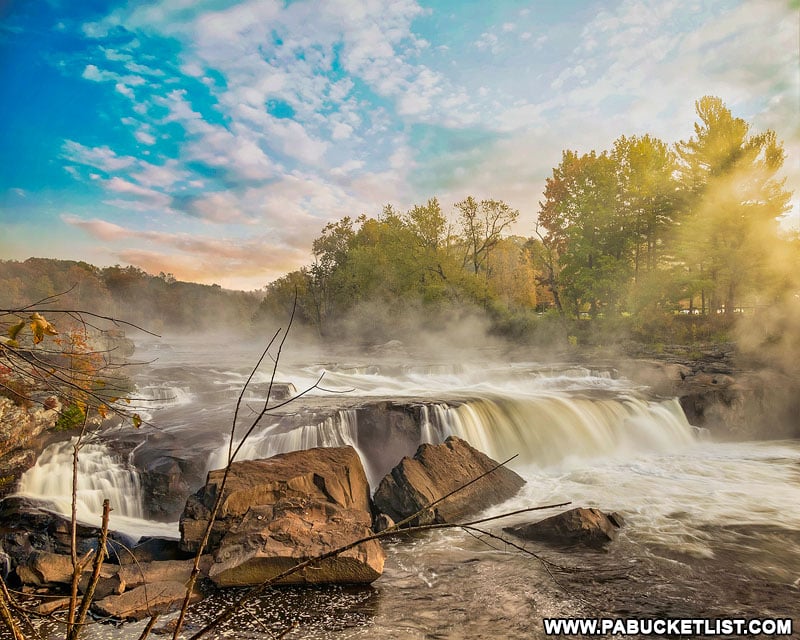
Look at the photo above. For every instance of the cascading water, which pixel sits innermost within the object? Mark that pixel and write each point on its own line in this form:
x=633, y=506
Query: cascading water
x=100, y=476
x=711, y=528
x=552, y=430
x=338, y=430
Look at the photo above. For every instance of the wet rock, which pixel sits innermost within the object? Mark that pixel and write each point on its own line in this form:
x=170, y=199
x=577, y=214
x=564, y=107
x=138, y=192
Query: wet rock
x=108, y=583
x=144, y=601
x=271, y=539
x=51, y=606
x=590, y=527
x=28, y=528
x=436, y=470
x=382, y=522
x=44, y=568
x=168, y=474
x=151, y=549
x=134, y=575
x=278, y=512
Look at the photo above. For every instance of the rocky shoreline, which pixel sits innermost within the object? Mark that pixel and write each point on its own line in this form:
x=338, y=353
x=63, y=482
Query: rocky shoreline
x=293, y=507
x=273, y=514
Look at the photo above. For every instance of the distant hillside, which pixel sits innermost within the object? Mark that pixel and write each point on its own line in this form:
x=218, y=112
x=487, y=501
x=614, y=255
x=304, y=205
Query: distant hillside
x=159, y=303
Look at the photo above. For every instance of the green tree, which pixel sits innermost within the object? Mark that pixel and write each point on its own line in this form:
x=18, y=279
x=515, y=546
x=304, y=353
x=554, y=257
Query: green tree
x=647, y=197
x=732, y=201
x=587, y=231
x=482, y=224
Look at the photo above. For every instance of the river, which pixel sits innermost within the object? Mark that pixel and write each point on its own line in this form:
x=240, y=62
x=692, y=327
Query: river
x=712, y=528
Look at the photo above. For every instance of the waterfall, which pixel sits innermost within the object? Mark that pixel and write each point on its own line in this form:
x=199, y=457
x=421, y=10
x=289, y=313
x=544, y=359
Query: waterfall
x=339, y=430
x=543, y=430
x=554, y=430
x=100, y=475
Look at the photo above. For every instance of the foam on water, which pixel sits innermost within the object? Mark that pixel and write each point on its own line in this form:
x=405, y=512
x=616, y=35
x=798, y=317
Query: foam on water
x=101, y=475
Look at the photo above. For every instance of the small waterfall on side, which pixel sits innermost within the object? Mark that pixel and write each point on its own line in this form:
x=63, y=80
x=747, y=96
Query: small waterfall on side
x=555, y=430
x=100, y=476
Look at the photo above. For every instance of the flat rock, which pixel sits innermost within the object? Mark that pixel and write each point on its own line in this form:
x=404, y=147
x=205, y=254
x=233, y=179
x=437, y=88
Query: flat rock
x=46, y=568
x=134, y=575
x=144, y=601
x=50, y=606
x=435, y=471
x=590, y=527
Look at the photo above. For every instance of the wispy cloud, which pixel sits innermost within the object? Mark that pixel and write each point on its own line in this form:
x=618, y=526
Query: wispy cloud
x=272, y=118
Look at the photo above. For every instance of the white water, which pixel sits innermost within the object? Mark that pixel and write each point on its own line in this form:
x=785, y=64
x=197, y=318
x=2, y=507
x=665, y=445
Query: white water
x=545, y=429
x=339, y=430
x=582, y=436
x=101, y=476
x=559, y=431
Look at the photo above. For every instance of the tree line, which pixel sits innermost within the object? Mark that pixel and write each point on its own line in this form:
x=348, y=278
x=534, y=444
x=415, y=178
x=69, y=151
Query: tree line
x=644, y=229
x=632, y=234
x=158, y=302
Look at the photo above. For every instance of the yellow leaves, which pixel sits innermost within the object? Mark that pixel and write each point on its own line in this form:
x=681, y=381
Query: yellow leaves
x=137, y=420
x=15, y=329
x=40, y=328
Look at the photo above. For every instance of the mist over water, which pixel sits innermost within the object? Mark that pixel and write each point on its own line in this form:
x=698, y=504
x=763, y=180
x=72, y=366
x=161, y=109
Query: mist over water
x=703, y=519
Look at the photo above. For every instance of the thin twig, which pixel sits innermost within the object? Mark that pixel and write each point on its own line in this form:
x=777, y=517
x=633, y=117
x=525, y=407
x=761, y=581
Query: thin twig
x=259, y=589
x=5, y=612
x=115, y=321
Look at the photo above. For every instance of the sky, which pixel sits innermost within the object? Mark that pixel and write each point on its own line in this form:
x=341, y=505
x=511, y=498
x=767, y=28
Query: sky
x=214, y=139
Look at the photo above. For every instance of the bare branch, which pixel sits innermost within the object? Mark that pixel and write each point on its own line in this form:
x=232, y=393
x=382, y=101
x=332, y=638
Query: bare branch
x=80, y=312
x=5, y=612
x=98, y=563
x=258, y=590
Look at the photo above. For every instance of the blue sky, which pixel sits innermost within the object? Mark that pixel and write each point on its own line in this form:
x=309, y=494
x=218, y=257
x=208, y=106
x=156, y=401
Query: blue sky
x=214, y=139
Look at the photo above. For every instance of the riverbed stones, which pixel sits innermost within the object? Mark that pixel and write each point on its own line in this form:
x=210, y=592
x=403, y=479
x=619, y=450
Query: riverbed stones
x=46, y=568
x=581, y=526
x=278, y=512
x=29, y=526
x=144, y=601
x=439, y=469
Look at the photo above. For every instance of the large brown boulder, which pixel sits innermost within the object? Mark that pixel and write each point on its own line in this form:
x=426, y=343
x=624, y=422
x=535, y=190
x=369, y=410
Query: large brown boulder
x=435, y=471
x=272, y=538
x=45, y=568
x=589, y=527
x=281, y=511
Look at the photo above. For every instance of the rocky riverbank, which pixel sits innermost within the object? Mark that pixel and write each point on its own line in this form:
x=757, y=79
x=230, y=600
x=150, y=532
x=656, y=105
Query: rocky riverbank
x=273, y=514
x=21, y=437
x=734, y=397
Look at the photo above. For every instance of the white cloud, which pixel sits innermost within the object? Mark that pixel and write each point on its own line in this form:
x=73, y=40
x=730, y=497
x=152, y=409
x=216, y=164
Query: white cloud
x=145, y=195
x=106, y=231
x=144, y=137
x=488, y=42
x=125, y=90
x=341, y=131
x=339, y=152
x=95, y=74
x=103, y=158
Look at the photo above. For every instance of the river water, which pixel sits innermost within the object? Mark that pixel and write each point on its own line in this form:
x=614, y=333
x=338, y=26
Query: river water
x=712, y=528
